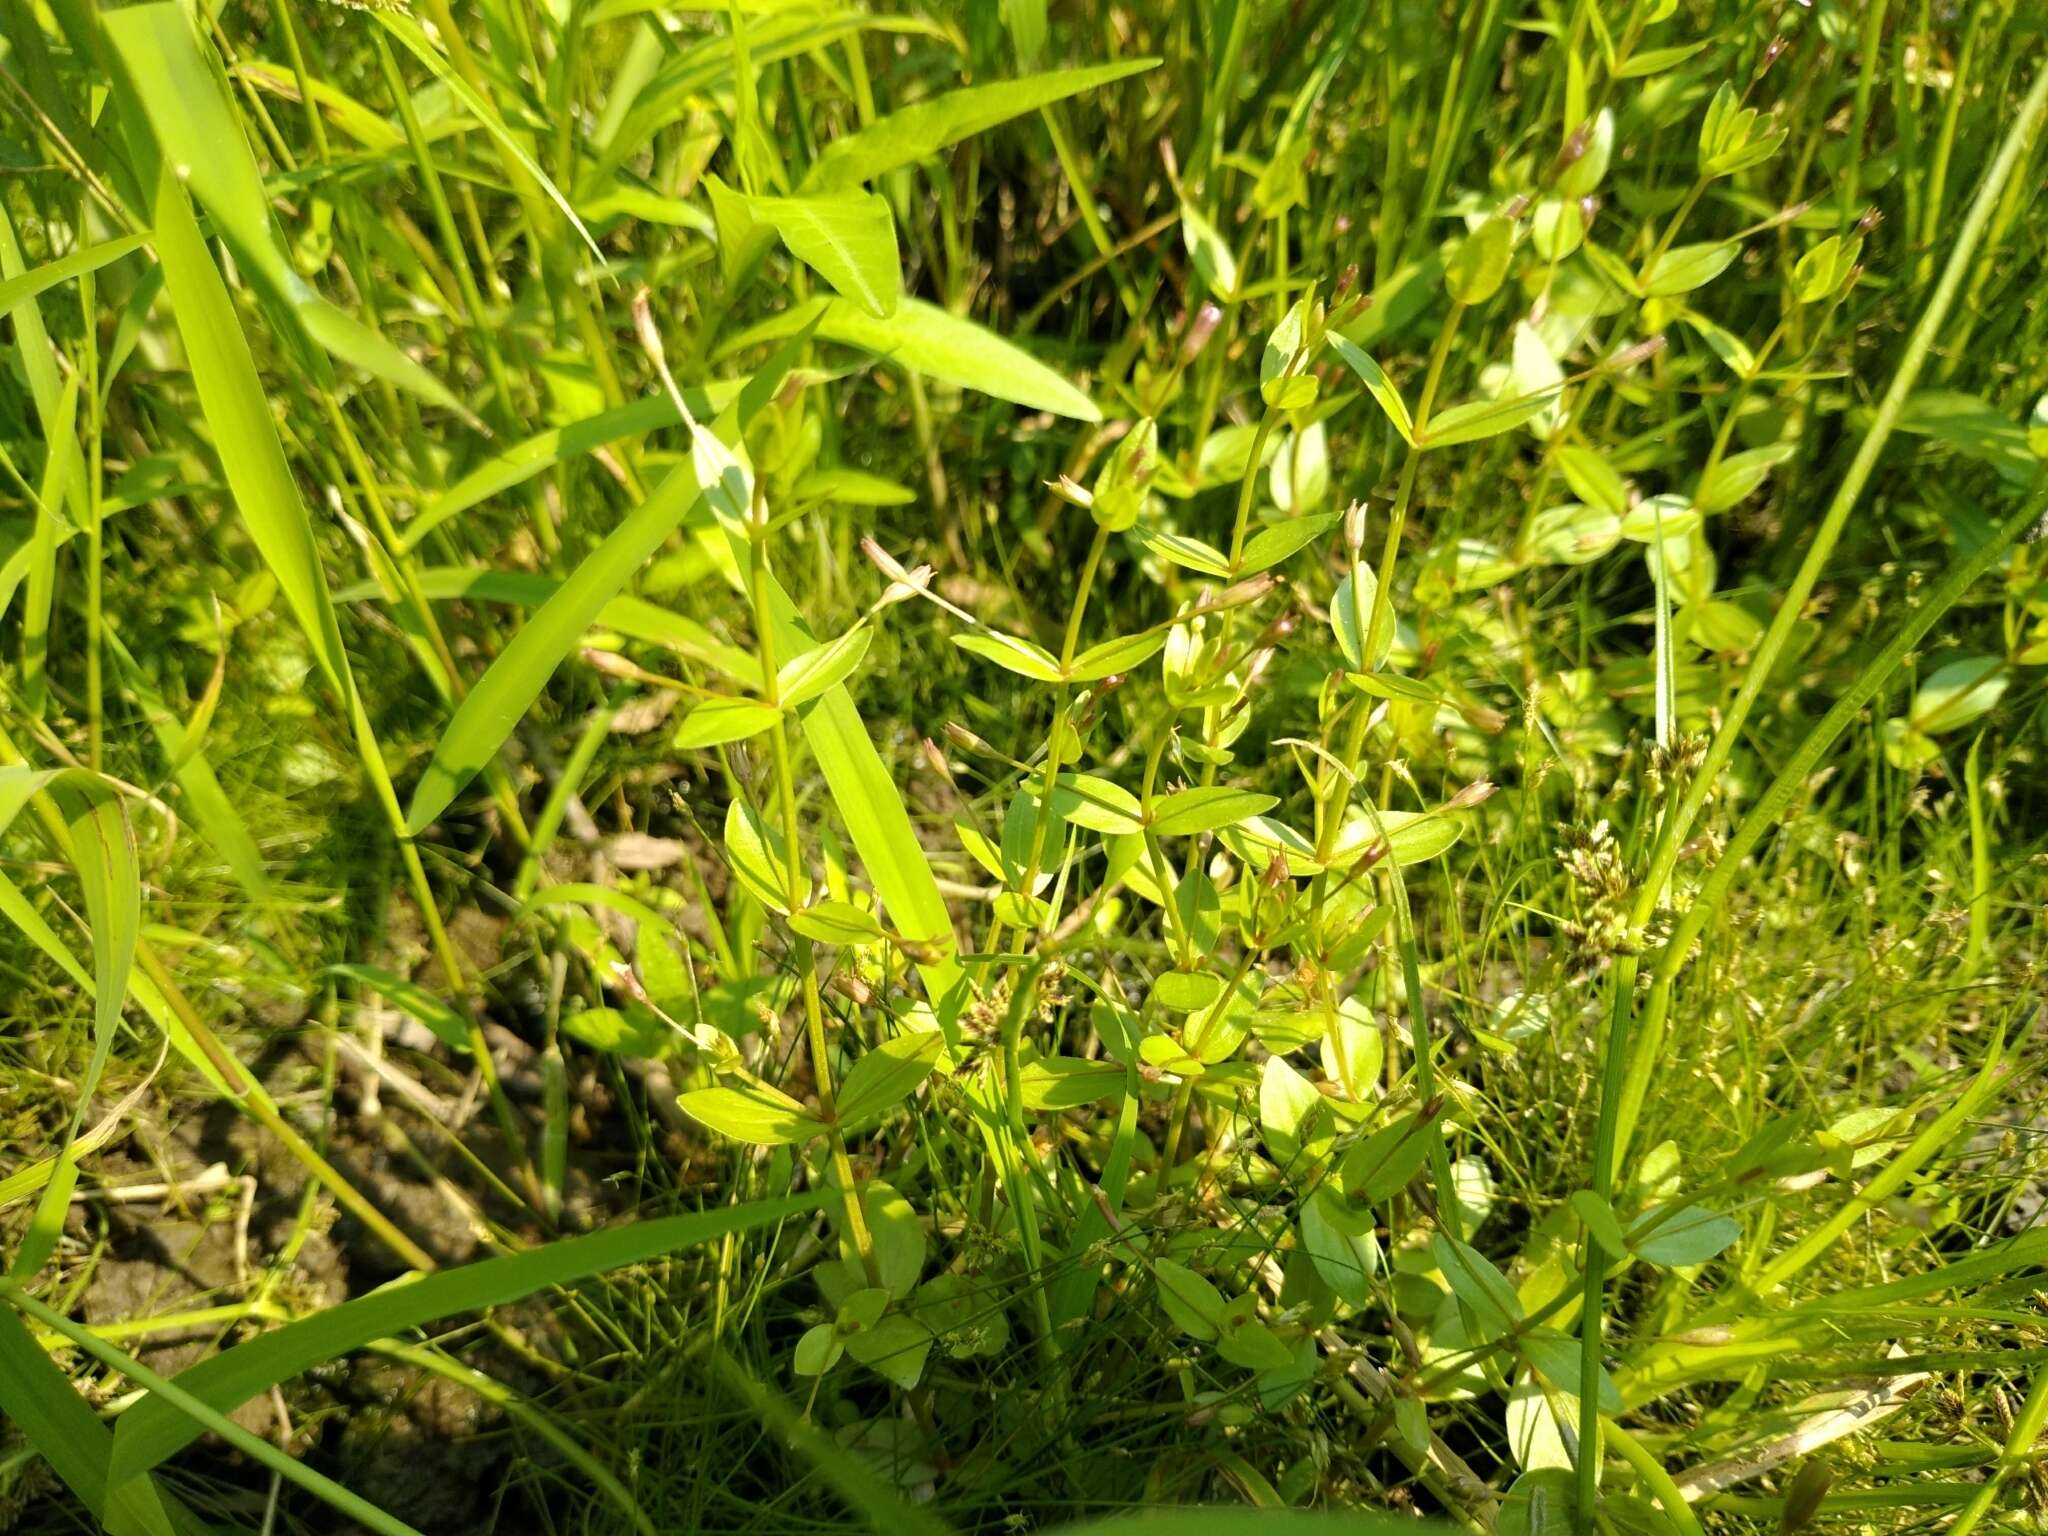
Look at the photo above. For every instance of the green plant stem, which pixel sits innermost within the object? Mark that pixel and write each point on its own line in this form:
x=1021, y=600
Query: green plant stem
x=1042, y=822
x=256, y=1447
x=2013, y=1458
x=1608, y=1144
x=802, y=949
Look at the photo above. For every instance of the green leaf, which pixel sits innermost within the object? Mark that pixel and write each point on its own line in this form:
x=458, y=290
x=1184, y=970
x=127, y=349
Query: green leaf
x=1654, y=61
x=1024, y=657
x=502, y=696
x=1382, y=1165
x=448, y=1025
x=1479, y=265
x=1377, y=384
x=90, y=258
x=928, y=340
x=537, y=454
x=154, y=1430
x=1539, y=1503
x=1243, y=1340
x=1574, y=535
x=401, y=25
x=1340, y=1244
x=183, y=127
x=1114, y=656
x=1593, y=479
x=1726, y=345
x=1474, y=420
x=836, y=922
x=1956, y=694
x=1097, y=804
x=803, y=678
x=760, y=858
x=1686, y=267
x=886, y=1074
x=1600, y=1220
x=717, y=721
x=1350, y=613
x=1412, y=837
x=818, y=1350
x=1692, y=1236
x=1280, y=541
x=1483, y=1289
x=1287, y=1100
x=752, y=1112
x=37, y=1397
x=1186, y=991
x=1208, y=252
x=1208, y=808
x=238, y=413
x=102, y=856
x=1179, y=549
x=1194, y=1305
x=895, y=1347
x=619, y=1031
x=1739, y=474
x=1068, y=1082
x=848, y=238
x=917, y=132
x=1557, y=1357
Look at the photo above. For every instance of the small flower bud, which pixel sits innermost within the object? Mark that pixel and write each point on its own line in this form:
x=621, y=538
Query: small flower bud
x=1071, y=492
x=1354, y=527
x=1199, y=331
x=937, y=759
x=1478, y=792
x=966, y=740
x=882, y=560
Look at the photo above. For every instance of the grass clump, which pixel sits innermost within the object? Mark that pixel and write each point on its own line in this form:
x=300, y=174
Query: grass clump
x=967, y=771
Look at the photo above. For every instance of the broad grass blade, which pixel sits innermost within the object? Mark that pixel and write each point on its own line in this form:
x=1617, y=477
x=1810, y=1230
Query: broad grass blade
x=153, y=1429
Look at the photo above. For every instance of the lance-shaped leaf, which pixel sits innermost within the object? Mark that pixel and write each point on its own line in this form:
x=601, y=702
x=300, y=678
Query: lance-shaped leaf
x=510, y=685
x=847, y=238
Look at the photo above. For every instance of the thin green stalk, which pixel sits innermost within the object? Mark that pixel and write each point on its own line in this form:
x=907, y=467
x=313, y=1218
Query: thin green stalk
x=1674, y=827
x=254, y=1446
x=2014, y=1458
x=803, y=950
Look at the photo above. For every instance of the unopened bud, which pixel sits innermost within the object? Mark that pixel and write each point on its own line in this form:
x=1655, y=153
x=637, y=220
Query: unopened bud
x=1071, y=491
x=966, y=740
x=1589, y=209
x=1354, y=527
x=1247, y=591
x=936, y=759
x=1516, y=207
x=912, y=584
x=1346, y=281
x=1872, y=217
x=1641, y=352
x=610, y=663
x=1776, y=46
x=882, y=560
x=1276, y=874
x=1478, y=792
x=645, y=329
x=1576, y=146
x=1199, y=331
